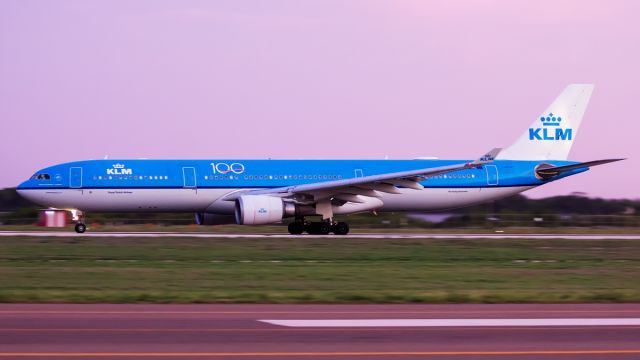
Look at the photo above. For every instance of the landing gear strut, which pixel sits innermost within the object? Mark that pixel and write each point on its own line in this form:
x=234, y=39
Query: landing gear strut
x=318, y=228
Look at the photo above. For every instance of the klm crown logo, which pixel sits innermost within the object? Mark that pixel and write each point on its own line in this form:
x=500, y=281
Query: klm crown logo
x=547, y=133
x=551, y=120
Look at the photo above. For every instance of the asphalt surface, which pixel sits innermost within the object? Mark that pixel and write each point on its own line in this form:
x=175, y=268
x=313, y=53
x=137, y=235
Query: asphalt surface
x=352, y=235
x=65, y=331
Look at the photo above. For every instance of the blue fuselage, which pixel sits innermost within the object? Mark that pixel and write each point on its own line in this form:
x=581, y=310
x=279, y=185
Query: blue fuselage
x=202, y=185
x=226, y=174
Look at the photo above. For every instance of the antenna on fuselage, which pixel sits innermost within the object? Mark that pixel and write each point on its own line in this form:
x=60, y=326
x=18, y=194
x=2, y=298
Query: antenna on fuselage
x=106, y=157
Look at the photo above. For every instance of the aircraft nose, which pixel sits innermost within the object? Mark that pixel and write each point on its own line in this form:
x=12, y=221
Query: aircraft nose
x=21, y=190
x=20, y=187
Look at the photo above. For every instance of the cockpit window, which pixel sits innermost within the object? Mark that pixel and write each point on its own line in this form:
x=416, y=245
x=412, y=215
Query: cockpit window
x=41, y=177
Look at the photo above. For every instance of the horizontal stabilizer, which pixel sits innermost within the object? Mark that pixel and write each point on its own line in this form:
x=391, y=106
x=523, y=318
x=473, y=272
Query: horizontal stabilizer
x=549, y=171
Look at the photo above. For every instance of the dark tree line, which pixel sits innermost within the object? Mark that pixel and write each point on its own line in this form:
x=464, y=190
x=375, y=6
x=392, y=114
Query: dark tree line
x=15, y=209
x=568, y=204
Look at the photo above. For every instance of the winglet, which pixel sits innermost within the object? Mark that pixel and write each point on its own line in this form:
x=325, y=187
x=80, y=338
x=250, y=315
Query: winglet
x=486, y=158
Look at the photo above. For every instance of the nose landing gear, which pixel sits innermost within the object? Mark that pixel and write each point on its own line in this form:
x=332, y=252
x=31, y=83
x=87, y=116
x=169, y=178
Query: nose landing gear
x=80, y=228
x=78, y=217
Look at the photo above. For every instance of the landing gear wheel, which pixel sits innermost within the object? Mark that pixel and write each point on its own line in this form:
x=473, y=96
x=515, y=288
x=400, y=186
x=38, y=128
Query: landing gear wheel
x=324, y=228
x=340, y=228
x=296, y=228
x=80, y=228
x=318, y=228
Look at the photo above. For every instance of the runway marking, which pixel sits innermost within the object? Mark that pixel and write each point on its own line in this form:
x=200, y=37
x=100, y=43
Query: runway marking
x=332, y=312
x=338, y=353
x=353, y=236
x=333, y=323
x=310, y=329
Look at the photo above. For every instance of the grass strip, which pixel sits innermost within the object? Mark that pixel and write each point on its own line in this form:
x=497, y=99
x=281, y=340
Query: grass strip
x=333, y=270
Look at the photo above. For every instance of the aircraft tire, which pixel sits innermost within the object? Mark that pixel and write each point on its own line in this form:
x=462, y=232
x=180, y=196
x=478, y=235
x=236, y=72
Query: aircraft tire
x=80, y=228
x=341, y=228
x=318, y=228
x=311, y=228
x=324, y=228
x=296, y=228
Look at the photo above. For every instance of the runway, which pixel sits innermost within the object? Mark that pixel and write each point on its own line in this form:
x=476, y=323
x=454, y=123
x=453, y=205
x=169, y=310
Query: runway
x=306, y=236
x=584, y=331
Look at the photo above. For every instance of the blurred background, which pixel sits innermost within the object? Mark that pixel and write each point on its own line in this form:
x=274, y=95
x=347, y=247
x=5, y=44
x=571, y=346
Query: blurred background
x=559, y=213
x=313, y=79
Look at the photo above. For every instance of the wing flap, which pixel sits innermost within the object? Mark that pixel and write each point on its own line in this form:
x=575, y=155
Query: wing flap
x=411, y=184
x=360, y=191
x=349, y=198
x=380, y=186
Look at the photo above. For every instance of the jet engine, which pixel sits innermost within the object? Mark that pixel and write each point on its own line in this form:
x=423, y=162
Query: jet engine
x=262, y=209
x=214, y=219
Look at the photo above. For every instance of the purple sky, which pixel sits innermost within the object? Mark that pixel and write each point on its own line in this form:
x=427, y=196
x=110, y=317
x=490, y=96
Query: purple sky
x=314, y=79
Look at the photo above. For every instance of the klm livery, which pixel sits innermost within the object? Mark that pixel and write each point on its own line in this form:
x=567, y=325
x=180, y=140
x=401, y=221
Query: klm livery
x=256, y=192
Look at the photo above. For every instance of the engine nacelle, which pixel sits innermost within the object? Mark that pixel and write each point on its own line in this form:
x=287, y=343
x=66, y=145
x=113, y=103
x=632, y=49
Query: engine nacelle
x=262, y=209
x=214, y=219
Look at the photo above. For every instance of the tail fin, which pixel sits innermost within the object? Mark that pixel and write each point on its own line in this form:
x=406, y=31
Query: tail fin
x=550, y=137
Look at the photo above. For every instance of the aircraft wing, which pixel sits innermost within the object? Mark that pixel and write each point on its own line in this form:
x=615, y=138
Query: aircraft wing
x=547, y=172
x=348, y=189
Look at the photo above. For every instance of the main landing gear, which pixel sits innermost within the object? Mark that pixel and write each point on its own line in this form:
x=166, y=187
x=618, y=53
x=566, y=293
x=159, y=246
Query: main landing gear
x=318, y=228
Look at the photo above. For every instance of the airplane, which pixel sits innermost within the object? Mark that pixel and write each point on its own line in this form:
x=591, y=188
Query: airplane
x=254, y=192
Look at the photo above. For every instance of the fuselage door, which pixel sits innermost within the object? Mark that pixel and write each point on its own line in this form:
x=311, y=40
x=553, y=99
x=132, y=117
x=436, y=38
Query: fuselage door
x=75, y=177
x=189, y=175
x=492, y=174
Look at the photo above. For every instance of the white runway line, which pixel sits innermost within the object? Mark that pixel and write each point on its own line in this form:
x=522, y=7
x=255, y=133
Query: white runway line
x=351, y=236
x=455, y=322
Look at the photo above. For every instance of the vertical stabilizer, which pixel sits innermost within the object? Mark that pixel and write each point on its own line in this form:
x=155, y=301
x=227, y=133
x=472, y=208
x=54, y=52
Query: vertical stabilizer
x=553, y=132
